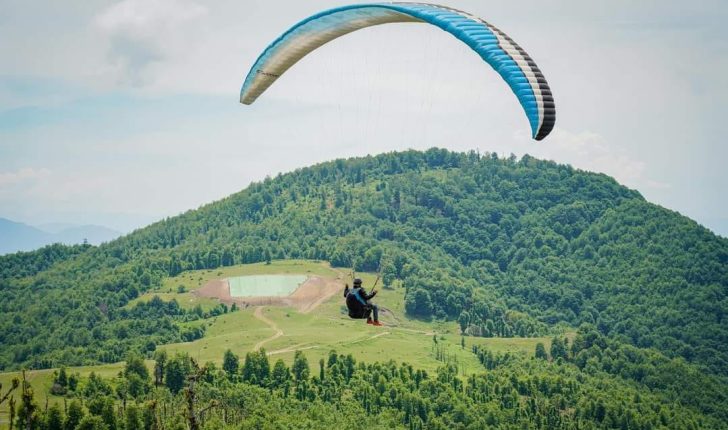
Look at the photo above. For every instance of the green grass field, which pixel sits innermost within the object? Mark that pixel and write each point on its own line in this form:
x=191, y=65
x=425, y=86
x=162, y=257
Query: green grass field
x=326, y=328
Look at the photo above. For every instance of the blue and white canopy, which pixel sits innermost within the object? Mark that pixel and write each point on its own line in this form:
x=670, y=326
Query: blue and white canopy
x=495, y=47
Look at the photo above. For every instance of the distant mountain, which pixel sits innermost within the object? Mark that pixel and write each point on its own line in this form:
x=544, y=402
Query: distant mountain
x=16, y=236
x=55, y=227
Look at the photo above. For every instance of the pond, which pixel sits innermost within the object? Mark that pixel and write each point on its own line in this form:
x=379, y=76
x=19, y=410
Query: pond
x=264, y=285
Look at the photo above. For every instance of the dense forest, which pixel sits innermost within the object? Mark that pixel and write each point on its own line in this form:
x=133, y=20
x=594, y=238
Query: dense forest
x=506, y=247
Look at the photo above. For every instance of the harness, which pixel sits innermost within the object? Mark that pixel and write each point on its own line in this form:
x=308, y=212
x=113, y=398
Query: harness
x=356, y=292
x=356, y=304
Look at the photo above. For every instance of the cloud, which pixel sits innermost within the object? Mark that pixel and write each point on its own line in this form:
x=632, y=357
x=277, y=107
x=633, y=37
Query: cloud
x=24, y=175
x=588, y=150
x=143, y=32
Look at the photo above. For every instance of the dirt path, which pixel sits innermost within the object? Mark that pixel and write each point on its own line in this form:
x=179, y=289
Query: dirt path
x=293, y=348
x=387, y=326
x=300, y=347
x=368, y=338
x=259, y=315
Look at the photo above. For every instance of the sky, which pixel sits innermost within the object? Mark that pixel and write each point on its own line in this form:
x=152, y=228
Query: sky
x=121, y=113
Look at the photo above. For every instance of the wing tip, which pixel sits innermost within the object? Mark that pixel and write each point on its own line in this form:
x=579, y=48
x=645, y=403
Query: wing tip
x=246, y=100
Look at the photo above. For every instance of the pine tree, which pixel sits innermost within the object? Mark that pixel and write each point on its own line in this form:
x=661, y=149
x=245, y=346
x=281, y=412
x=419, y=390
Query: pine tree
x=281, y=375
x=74, y=415
x=300, y=368
x=92, y=422
x=175, y=373
x=230, y=364
x=464, y=321
x=62, y=378
x=27, y=417
x=558, y=349
x=108, y=414
x=133, y=418
x=54, y=418
x=160, y=362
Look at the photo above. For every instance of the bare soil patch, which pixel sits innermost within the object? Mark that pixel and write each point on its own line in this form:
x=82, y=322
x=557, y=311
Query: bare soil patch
x=307, y=297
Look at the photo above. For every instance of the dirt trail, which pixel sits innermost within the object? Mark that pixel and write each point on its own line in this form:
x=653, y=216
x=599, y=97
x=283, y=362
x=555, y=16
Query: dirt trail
x=293, y=348
x=259, y=315
x=300, y=347
x=368, y=338
x=388, y=326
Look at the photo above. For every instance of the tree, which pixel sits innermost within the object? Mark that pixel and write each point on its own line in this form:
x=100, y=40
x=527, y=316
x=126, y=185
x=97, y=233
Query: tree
x=558, y=348
x=133, y=418
x=280, y=375
x=62, y=378
x=464, y=321
x=95, y=386
x=160, y=362
x=300, y=368
x=135, y=366
x=149, y=416
x=176, y=372
x=92, y=422
x=541, y=352
x=230, y=364
x=54, y=418
x=389, y=274
x=27, y=412
x=418, y=303
x=104, y=407
x=256, y=368
x=74, y=415
x=73, y=381
x=333, y=358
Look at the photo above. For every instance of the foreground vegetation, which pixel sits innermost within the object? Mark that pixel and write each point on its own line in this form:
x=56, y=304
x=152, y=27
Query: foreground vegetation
x=545, y=390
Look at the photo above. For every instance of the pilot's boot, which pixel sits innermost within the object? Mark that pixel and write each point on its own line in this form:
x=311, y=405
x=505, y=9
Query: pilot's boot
x=369, y=321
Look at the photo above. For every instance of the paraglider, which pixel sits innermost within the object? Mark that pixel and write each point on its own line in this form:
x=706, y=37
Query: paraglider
x=358, y=302
x=504, y=55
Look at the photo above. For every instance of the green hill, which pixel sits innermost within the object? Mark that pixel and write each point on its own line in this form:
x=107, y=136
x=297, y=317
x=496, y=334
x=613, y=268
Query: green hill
x=502, y=248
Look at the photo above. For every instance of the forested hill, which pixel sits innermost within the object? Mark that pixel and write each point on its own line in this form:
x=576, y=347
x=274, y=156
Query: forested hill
x=508, y=247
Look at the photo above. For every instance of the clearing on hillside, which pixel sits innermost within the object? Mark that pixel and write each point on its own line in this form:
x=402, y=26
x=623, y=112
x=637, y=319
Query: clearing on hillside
x=264, y=285
x=302, y=292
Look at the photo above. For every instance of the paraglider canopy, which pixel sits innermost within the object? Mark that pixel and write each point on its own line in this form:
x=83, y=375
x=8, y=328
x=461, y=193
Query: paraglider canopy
x=513, y=64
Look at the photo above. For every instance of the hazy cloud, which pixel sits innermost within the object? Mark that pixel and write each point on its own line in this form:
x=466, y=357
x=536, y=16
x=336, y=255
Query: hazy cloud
x=21, y=176
x=142, y=32
x=588, y=150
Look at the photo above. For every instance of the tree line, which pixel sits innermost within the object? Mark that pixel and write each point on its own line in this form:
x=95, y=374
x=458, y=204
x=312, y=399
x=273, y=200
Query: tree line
x=511, y=391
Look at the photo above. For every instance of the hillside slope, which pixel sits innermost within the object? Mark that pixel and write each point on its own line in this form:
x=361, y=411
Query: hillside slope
x=511, y=247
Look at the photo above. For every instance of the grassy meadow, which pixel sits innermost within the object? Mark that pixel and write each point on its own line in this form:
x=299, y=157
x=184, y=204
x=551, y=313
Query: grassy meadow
x=328, y=327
